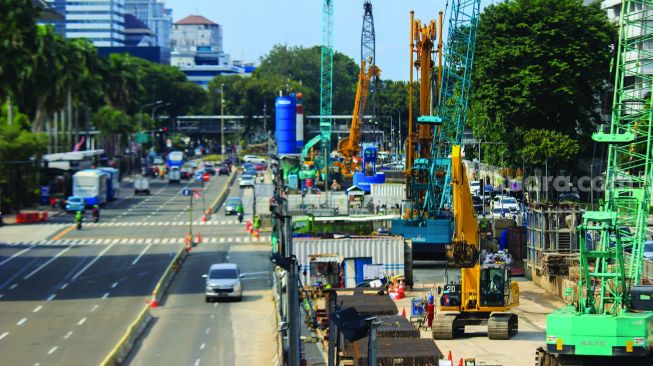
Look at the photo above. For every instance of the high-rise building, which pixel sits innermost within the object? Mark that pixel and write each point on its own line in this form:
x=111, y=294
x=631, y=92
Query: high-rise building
x=155, y=15
x=100, y=21
x=196, y=34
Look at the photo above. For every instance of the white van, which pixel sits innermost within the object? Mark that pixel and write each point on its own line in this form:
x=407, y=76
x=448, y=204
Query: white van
x=141, y=185
x=174, y=175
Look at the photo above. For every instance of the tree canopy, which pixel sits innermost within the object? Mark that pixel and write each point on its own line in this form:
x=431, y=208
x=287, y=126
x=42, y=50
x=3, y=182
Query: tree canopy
x=539, y=64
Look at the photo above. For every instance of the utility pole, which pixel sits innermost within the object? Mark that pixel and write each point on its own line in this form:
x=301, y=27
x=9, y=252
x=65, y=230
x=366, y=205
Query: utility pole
x=294, y=330
x=222, y=147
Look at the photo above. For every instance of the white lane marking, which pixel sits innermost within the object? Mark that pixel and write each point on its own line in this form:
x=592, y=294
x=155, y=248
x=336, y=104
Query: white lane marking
x=165, y=241
x=51, y=351
x=131, y=241
x=114, y=285
x=141, y=254
x=13, y=286
x=82, y=321
x=214, y=240
x=92, y=262
x=51, y=297
x=48, y=262
x=3, y=335
x=16, y=255
x=36, y=310
x=94, y=307
x=140, y=241
x=202, y=346
x=156, y=241
x=20, y=322
x=215, y=304
x=105, y=296
x=222, y=240
x=197, y=362
x=63, y=286
x=68, y=335
x=208, y=330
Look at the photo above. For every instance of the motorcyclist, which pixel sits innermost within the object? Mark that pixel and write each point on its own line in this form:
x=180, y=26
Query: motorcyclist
x=79, y=217
x=96, y=213
x=240, y=210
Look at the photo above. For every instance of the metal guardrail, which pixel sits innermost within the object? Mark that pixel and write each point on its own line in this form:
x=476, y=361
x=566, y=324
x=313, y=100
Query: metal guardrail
x=120, y=352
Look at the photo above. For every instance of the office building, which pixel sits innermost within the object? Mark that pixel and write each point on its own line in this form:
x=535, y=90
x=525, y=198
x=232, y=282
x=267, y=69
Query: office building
x=155, y=15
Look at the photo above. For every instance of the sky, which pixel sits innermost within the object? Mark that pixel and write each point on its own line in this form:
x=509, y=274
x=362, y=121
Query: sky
x=252, y=27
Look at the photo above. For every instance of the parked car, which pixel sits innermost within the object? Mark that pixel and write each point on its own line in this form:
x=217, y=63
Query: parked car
x=260, y=166
x=209, y=168
x=569, y=197
x=246, y=180
x=74, y=204
x=223, y=281
x=231, y=204
x=253, y=159
x=224, y=170
x=478, y=204
x=475, y=187
x=501, y=213
x=506, y=202
x=648, y=250
x=141, y=185
x=198, y=174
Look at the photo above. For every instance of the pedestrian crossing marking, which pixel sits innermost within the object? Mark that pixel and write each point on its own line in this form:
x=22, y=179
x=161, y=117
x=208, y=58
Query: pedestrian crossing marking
x=141, y=241
x=163, y=223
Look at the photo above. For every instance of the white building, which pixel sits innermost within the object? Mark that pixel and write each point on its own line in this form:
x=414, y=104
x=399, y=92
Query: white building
x=100, y=21
x=195, y=34
x=155, y=15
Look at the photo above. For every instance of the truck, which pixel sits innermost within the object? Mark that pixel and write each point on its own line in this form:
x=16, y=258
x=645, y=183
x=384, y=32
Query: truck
x=113, y=188
x=91, y=185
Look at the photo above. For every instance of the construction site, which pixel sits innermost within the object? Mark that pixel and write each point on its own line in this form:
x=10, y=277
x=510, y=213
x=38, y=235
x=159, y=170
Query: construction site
x=415, y=266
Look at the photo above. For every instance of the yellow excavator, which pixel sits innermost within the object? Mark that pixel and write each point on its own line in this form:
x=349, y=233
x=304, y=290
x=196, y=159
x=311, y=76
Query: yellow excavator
x=485, y=292
x=349, y=147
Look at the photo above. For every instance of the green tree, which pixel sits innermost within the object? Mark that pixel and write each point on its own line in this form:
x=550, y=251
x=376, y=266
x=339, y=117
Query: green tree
x=542, y=146
x=539, y=64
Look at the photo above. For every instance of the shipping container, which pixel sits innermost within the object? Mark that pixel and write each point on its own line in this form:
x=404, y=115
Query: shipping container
x=388, y=190
x=356, y=256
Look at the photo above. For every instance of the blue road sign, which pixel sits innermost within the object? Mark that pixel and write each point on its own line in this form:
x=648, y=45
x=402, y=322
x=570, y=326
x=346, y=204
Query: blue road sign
x=186, y=192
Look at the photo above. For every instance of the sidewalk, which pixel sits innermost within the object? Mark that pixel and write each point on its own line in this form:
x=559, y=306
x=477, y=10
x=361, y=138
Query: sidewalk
x=28, y=232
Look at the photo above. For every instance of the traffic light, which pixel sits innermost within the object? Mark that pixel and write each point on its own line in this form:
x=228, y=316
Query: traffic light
x=165, y=129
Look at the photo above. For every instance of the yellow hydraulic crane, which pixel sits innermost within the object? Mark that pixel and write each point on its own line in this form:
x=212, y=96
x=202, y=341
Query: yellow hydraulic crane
x=485, y=292
x=349, y=146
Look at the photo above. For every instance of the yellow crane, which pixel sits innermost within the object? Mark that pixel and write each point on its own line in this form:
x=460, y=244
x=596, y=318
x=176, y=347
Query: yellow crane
x=485, y=293
x=349, y=147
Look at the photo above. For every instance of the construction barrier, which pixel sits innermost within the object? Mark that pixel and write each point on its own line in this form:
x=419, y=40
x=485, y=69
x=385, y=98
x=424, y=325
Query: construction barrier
x=28, y=217
x=221, y=196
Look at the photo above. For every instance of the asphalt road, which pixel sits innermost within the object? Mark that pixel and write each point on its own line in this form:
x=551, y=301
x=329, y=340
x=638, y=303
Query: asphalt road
x=68, y=300
x=220, y=333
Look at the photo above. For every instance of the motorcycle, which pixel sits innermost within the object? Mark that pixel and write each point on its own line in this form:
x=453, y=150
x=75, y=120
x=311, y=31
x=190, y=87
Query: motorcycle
x=240, y=217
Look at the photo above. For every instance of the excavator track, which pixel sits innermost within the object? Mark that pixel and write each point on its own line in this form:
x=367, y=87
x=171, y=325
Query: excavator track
x=443, y=326
x=502, y=326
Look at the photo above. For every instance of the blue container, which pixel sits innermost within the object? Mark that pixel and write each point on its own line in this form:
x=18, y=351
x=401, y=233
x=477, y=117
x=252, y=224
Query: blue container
x=285, y=118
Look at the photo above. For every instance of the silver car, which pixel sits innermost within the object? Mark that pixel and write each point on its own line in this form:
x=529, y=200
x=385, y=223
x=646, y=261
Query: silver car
x=231, y=205
x=246, y=180
x=223, y=282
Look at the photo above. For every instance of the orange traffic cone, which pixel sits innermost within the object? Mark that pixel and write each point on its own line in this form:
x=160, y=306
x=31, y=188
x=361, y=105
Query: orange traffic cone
x=403, y=312
x=256, y=234
x=460, y=363
x=199, y=238
x=450, y=357
x=154, y=303
x=187, y=239
x=204, y=218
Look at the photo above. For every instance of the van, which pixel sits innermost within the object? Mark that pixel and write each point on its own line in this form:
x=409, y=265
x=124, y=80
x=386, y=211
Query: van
x=174, y=175
x=141, y=185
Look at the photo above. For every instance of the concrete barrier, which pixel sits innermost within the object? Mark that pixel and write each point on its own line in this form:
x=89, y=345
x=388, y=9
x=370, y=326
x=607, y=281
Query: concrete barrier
x=121, y=351
x=222, y=195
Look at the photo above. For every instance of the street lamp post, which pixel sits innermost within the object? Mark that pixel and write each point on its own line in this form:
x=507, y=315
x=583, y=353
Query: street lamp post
x=159, y=105
x=222, y=147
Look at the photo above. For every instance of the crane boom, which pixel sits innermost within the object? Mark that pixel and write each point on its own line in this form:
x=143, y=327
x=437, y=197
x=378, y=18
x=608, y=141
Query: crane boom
x=326, y=82
x=609, y=314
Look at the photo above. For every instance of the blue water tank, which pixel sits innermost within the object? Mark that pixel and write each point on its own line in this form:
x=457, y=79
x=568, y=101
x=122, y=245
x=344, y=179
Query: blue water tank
x=286, y=119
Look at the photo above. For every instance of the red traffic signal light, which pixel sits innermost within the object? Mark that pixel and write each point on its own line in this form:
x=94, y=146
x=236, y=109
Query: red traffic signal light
x=165, y=129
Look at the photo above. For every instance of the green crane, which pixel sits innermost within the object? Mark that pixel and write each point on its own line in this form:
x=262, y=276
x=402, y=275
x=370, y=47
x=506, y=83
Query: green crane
x=609, y=319
x=326, y=85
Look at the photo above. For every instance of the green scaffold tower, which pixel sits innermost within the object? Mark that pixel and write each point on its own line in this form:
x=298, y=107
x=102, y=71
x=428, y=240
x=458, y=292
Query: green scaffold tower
x=609, y=319
x=326, y=85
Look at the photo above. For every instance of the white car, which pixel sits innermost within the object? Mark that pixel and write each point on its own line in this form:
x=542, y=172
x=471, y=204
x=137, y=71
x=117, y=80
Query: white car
x=475, y=187
x=223, y=281
x=506, y=202
x=246, y=180
x=253, y=159
x=501, y=213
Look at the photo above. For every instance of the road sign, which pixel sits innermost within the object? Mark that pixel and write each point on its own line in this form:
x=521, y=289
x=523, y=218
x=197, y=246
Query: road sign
x=142, y=138
x=186, y=192
x=197, y=193
x=206, y=177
